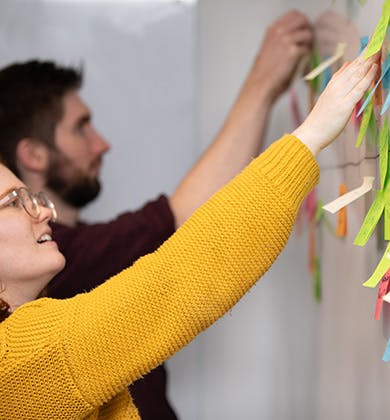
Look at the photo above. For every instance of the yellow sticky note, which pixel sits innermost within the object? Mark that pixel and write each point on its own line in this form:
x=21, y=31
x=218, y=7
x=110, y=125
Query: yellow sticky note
x=371, y=219
x=340, y=50
x=376, y=41
x=350, y=197
x=383, y=266
x=364, y=124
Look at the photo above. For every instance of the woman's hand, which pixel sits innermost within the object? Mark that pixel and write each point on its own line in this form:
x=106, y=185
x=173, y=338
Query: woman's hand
x=336, y=103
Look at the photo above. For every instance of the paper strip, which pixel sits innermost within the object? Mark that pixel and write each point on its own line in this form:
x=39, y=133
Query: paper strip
x=386, y=104
x=295, y=108
x=386, y=222
x=364, y=125
x=317, y=289
x=384, y=71
x=382, y=291
x=382, y=267
x=386, y=78
x=339, y=52
x=363, y=42
x=380, y=31
x=384, y=151
x=344, y=200
x=371, y=219
x=311, y=204
x=342, y=215
x=386, y=355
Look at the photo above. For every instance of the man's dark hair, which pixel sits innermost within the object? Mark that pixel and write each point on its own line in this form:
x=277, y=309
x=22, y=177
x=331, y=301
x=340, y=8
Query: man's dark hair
x=31, y=103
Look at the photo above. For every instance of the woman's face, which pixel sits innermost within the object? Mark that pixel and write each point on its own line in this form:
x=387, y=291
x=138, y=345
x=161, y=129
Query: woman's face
x=24, y=258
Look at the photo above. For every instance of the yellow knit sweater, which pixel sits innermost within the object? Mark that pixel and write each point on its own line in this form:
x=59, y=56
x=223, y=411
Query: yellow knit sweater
x=73, y=359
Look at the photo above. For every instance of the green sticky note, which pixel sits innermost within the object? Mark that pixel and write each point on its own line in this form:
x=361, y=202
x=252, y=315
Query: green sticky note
x=367, y=113
x=386, y=228
x=315, y=61
x=384, y=151
x=378, y=37
x=317, y=280
x=383, y=266
x=319, y=211
x=373, y=130
x=371, y=219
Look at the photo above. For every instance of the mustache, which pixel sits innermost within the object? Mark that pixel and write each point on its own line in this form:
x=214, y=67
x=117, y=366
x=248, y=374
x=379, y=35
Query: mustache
x=96, y=163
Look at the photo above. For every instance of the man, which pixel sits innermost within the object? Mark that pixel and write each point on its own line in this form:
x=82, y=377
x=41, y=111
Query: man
x=47, y=138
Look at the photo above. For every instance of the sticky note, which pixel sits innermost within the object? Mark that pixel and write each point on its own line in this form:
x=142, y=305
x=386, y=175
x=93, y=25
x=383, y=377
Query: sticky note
x=383, y=151
x=339, y=52
x=311, y=204
x=363, y=42
x=351, y=196
x=384, y=70
x=326, y=76
x=317, y=280
x=364, y=125
x=295, y=111
x=315, y=82
x=386, y=77
x=386, y=355
x=382, y=291
x=386, y=232
x=319, y=211
x=386, y=104
x=382, y=267
x=378, y=37
x=371, y=219
x=342, y=215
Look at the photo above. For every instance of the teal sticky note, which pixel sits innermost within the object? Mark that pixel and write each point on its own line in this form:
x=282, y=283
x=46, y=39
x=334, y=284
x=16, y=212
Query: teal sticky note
x=386, y=355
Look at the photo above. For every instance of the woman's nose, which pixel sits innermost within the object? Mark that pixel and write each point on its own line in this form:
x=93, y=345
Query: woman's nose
x=46, y=214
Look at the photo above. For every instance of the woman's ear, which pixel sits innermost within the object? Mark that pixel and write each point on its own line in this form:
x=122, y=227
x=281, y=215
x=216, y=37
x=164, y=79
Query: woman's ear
x=32, y=155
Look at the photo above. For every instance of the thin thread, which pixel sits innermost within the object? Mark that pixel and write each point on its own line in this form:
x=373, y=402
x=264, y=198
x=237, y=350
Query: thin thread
x=344, y=165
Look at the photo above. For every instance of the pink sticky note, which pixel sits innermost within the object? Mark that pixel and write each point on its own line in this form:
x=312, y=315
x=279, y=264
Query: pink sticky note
x=382, y=291
x=296, y=113
x=355, y=118
x=311, y=204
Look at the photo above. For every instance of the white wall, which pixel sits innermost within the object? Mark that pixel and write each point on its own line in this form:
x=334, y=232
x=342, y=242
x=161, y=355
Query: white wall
x=279, y=355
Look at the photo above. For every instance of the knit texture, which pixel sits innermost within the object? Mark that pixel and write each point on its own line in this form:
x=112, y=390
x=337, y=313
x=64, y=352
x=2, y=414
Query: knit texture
x=74, y=358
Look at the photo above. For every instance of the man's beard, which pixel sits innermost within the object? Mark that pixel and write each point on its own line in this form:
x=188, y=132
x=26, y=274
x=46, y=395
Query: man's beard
x=74, y=187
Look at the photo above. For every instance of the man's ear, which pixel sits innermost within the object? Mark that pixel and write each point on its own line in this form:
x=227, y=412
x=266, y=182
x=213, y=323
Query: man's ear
x=32, y=155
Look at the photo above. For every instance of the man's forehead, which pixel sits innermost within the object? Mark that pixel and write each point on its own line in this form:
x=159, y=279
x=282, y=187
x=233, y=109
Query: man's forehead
x=74, y=106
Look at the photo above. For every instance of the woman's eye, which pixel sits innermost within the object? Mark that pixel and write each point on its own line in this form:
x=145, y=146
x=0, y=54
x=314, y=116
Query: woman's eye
x=14, y=203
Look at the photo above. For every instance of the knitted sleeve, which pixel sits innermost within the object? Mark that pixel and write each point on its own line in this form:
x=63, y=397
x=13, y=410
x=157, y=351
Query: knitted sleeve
x=103, y=340
x=145, y=314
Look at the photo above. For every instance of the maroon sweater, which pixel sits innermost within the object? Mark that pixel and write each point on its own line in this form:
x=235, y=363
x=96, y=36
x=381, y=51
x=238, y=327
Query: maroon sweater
x=96, y=252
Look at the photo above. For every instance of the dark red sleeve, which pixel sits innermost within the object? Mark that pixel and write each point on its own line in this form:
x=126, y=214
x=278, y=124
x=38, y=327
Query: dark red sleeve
x=96, y=252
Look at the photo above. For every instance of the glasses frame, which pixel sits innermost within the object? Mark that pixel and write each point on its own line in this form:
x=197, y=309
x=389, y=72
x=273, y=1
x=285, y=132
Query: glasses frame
x=36, y=199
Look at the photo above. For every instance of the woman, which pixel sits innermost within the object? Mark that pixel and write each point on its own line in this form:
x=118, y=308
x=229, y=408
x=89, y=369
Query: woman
x=75, y=358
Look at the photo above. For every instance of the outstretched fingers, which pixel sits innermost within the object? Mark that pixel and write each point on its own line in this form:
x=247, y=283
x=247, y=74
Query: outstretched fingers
x=358, y=90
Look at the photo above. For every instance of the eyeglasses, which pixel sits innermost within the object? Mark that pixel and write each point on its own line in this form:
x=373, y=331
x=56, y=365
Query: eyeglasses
x=30, y=202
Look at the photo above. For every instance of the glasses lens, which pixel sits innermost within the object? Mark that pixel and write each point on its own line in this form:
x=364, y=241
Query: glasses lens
x=29, y=202
x=45, y=201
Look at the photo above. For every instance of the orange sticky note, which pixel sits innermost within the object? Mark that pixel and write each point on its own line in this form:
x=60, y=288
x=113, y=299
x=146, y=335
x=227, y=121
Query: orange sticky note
x=342, y=215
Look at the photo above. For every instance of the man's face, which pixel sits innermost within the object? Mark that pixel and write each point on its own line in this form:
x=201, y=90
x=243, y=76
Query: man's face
x=76, y=159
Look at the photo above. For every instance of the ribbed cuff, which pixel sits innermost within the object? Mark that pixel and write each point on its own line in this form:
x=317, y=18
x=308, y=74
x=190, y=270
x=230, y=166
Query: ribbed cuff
x=291, y=167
